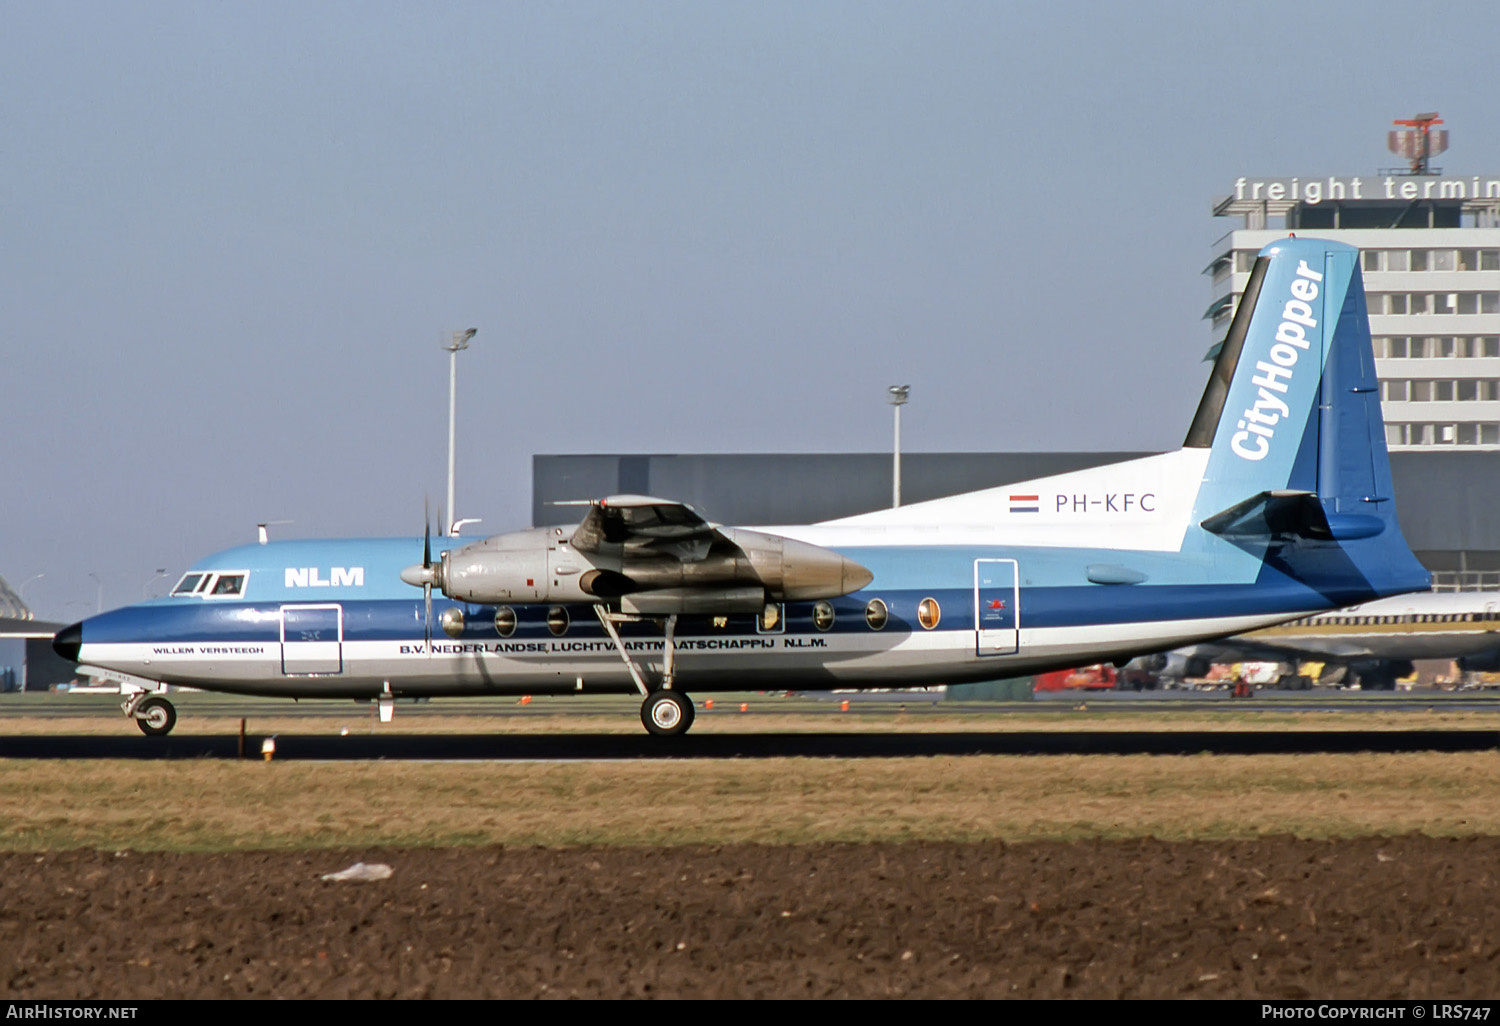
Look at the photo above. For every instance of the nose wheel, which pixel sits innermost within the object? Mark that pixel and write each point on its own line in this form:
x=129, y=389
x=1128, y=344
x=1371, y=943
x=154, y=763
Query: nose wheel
x=155, y=716
x=667, y=713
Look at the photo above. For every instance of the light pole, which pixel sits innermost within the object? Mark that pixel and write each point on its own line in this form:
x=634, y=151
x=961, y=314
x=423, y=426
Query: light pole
x=160, y=573
x=459, y=342
x=21, y=592
x=897, y=398
x=99, y=606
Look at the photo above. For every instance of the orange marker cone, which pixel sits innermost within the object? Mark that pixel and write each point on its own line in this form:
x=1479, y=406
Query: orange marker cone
x=525, y=699
x=708, y=703
x=744, y=707
x=844, y=705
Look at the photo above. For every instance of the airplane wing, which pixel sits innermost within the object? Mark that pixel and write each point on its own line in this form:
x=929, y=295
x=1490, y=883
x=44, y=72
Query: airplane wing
x=1243, y=648
x=641, y=524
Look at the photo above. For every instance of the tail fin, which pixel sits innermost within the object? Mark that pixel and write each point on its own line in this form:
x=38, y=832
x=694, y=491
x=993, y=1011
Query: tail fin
x=1291, y=418
x=1284, y=468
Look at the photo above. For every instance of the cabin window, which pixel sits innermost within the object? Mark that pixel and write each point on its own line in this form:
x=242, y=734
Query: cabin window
x=505, y=621
x=876, y=614
x=557, y=620
x=188, y=584
x=822, y=615
x=452, y=621
x=929, y=613
x=229, y=585
x=770, y=621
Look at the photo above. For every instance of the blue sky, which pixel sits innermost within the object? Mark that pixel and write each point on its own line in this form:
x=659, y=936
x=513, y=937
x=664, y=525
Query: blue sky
x=235, y=235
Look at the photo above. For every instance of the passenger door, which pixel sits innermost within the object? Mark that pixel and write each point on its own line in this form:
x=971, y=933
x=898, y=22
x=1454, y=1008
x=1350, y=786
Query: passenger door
x=312, y=639
x=997, y=607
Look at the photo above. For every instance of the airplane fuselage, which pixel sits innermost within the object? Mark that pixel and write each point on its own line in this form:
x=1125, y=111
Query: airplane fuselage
x=1277, y=505
x=332, y=620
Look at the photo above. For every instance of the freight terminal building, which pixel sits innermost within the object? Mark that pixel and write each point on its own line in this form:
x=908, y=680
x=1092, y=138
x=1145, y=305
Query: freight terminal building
x=1430, y=250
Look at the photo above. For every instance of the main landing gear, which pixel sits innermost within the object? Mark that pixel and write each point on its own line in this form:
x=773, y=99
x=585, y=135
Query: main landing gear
x=665, y=711
x=153, y=714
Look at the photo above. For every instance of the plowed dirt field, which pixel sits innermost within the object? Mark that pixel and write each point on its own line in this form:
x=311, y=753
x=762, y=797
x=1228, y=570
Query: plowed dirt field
x=1400, y=917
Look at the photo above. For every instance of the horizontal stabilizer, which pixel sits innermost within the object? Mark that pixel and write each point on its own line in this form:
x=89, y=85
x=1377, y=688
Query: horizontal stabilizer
x=1287, y=514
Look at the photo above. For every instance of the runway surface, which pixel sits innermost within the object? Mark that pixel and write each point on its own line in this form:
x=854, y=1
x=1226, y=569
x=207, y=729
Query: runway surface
x=569, y=747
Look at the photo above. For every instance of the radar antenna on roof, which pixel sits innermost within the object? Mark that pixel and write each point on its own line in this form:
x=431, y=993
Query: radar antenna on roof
x=1419, y=144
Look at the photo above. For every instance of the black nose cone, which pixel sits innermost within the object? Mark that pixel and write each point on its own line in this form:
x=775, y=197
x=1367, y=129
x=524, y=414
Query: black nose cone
x=68, y=641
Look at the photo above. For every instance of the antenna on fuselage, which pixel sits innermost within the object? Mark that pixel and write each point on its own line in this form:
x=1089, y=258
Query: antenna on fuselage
x=262, y=535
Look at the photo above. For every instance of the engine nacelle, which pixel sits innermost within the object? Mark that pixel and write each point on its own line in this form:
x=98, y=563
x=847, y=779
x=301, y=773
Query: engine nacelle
x=539, y=566
x=523, y=566
x=788, y=570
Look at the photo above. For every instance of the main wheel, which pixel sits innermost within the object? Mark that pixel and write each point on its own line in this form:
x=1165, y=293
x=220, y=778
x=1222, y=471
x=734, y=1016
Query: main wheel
x=667, y=713
x=155, y=717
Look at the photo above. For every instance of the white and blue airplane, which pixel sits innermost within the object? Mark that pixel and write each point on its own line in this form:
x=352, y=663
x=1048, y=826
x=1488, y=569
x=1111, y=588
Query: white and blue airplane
x=1278, y=506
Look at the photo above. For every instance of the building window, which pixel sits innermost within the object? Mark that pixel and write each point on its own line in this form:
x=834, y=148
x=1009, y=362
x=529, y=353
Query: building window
x=1394, y=391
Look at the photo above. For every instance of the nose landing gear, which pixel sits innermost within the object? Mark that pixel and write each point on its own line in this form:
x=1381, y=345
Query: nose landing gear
x=153, y=714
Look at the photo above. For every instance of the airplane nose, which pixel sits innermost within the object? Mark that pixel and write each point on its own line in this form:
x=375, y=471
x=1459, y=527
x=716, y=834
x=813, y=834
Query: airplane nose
x=68, y=641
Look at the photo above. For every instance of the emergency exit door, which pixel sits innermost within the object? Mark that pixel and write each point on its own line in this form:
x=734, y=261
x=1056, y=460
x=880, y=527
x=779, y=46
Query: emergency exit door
x=997, y=612
x=312, y=639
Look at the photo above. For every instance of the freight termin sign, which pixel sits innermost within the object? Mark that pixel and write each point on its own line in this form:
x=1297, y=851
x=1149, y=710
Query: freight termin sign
x=1372, y=187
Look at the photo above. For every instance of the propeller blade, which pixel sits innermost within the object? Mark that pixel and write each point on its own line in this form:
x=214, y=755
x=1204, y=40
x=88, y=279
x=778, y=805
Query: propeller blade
x=426, y=578
x=427, y=621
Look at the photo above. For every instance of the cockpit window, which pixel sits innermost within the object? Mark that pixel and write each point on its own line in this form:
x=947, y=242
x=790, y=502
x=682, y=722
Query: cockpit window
x=188, y=584
x=227, y=586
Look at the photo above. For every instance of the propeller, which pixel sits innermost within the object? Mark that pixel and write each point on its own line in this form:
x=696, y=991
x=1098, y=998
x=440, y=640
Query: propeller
x=426, y=583
x=425, y=575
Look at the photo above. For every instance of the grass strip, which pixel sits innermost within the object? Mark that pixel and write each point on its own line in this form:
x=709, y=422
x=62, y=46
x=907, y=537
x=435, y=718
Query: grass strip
x=220, y=806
